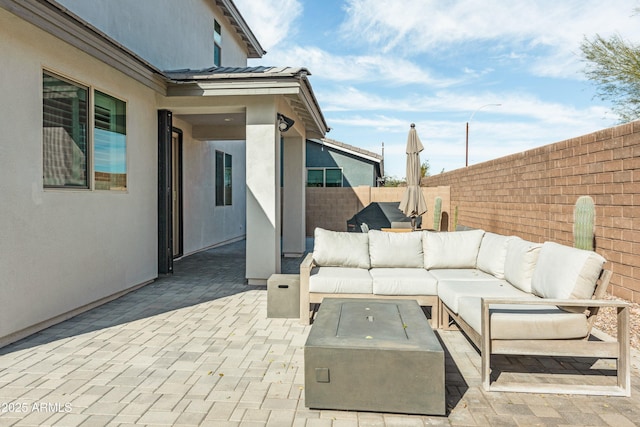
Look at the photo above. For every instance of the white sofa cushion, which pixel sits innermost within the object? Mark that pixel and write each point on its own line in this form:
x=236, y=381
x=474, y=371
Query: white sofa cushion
x=455, y=249
x=340, y=280
x=492, y=254
x=520, y=322
x=341, y=249
x=403, y=281
x=461, y=274
x=450, y=292
x=564, y=272
x=401, y=250
x=520, y=262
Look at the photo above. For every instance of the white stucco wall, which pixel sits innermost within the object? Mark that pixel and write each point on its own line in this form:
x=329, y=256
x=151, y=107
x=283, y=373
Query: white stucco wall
x=206, y=224
x=169, y=34
x=263, y=191
x=60, y=250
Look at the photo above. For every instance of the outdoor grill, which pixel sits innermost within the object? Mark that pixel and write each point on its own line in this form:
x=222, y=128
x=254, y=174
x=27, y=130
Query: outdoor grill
x=379, y=215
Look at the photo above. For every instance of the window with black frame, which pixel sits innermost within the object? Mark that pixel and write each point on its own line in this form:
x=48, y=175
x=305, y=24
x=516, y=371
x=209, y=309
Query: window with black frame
x=223, y=178
x=324, y=177
x=217, y=44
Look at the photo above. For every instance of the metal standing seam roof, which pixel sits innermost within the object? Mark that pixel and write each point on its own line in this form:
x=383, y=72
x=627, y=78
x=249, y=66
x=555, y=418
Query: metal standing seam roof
x=217, y=73
x=221, y=74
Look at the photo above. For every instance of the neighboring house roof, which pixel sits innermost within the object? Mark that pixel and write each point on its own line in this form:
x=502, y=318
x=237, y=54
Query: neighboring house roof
x=350, y=149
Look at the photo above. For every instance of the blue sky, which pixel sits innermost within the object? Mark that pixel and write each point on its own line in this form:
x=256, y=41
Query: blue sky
x=379, y=65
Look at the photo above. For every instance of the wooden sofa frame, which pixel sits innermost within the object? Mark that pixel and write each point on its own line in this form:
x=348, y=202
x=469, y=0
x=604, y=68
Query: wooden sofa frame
x=618, y=350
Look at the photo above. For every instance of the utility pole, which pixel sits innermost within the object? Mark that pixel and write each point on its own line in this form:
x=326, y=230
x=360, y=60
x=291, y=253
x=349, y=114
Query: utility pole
x=466, y=159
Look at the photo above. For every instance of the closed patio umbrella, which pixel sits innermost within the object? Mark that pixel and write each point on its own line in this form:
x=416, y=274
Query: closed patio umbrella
x=413, y=203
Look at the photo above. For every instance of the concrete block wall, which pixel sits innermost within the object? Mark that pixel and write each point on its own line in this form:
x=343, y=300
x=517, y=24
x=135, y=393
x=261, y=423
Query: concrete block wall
x=330, y=208
x=532, y=194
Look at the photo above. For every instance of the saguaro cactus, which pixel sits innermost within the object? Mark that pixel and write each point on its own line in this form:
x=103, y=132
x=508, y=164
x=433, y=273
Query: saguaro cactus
x=455, y=218
x=437, y=214
x=584, y=219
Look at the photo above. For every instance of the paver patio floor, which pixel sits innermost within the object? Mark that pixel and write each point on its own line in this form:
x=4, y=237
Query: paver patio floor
x=196, y=348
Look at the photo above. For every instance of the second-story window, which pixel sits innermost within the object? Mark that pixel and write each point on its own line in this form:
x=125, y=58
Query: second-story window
x=217, y=44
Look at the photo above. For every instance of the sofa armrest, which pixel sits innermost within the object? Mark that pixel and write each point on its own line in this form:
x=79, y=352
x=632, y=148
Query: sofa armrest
x=623, y=309
x=621, y=306
x=307, y=262
x=549, y=301
x=305, y=272
x=618, y=349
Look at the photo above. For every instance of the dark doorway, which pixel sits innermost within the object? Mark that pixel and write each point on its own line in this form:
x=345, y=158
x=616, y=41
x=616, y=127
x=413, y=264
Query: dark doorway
x=176, y=193
x=165, y=184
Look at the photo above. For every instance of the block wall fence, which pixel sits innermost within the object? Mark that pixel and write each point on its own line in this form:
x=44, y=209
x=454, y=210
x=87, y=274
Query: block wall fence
x=532, y=194
x=330, y=208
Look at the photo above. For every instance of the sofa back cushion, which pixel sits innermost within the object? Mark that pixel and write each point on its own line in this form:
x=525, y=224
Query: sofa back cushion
x=401, y=250
x=520, y=262
x=564, y=272
x=455, y=249
x=341, y=249
x=492, y=254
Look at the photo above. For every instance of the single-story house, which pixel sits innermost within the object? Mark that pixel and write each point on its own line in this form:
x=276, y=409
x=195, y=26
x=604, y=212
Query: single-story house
x=135, y=133
x=332, y=163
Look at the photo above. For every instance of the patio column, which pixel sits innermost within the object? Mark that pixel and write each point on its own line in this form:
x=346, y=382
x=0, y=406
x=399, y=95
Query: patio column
x=263, y=191
x=293, y=197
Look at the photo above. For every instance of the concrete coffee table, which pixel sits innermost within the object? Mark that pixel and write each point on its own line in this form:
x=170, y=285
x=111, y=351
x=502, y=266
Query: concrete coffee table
x=374, y=355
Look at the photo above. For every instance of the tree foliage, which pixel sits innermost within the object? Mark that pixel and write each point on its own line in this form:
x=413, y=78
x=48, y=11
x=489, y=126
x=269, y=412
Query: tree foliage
x=425, y=169
x=614, y=65
x=392, y=181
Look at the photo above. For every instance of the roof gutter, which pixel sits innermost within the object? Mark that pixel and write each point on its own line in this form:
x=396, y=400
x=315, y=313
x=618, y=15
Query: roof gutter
x=354, y=151
x=312, y=103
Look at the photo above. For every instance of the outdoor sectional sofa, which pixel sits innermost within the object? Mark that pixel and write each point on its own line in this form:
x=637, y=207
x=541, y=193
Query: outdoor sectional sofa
x=509, y=295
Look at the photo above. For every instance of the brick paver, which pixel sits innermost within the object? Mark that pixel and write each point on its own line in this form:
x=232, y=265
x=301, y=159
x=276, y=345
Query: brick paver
x=196, y=348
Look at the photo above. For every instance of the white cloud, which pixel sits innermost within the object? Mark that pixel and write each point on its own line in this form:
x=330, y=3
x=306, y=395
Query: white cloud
x=270, y=20
x=543, y=35
x=514, y=106
x=489, y=138
x=521, y=123
x=433, y=62
x=352, y=99
x=358, y=68
x=378, y=122
x=544, y=30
